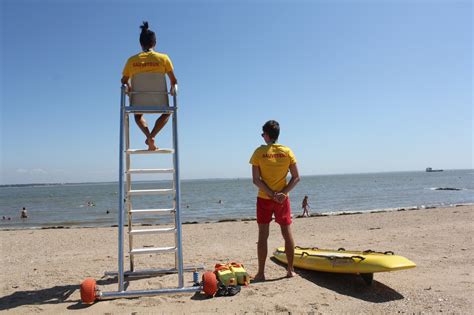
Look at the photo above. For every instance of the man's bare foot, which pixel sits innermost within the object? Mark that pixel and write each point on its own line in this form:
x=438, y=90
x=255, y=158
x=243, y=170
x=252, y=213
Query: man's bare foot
x=291, y=274
x=259, y=277
x=151, y=144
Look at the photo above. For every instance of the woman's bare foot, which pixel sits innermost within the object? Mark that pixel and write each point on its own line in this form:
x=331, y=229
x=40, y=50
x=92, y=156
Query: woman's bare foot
x=291, y=274
x=151, y=144
x=259, y=277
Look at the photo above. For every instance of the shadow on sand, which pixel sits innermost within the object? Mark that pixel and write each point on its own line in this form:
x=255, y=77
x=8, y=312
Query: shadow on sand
x=350, y=285
x=199, y=296
x=54, y=295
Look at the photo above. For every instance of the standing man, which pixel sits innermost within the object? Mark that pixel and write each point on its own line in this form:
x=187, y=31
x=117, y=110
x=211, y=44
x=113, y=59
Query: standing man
x=270, y=166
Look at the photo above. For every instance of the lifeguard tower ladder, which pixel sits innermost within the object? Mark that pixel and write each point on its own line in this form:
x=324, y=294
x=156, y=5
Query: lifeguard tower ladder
x=149, y=95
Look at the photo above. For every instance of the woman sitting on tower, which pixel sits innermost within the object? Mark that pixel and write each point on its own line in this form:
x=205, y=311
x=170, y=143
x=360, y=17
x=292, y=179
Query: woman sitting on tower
x=149, y=61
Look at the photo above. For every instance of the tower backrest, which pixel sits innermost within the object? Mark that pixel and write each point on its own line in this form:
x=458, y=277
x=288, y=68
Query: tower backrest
x=149, y=82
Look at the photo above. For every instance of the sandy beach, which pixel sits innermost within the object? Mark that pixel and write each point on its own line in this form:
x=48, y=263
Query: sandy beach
x=41, y=269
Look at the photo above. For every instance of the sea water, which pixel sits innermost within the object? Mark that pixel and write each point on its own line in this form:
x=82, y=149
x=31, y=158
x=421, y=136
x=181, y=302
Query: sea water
x=96, y=204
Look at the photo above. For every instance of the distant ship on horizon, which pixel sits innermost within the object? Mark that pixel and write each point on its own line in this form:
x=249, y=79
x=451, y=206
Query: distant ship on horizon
x=429, y=169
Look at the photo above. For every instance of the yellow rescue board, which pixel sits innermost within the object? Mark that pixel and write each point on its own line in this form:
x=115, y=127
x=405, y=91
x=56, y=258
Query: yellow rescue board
x=342, y=261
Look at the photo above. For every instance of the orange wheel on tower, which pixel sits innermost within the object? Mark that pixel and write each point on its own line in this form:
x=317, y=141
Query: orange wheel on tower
x=88, y=289
x=209, y=283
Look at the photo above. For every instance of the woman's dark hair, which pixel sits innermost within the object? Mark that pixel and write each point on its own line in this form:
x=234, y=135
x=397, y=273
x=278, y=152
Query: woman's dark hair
x=272, y=129
x=147, y=37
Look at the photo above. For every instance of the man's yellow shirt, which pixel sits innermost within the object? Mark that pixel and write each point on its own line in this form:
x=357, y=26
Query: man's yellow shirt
x=149, y=61
x=274, y=161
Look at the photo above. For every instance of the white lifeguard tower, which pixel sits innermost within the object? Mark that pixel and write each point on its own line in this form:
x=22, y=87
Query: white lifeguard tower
x=149, y=95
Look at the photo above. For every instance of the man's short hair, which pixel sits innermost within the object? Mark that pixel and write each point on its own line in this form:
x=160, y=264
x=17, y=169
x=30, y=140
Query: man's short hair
x=272, y=129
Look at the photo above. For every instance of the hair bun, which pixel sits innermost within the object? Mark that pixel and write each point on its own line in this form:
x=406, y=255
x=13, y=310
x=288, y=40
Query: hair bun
x=144, y=27
x=147, y=37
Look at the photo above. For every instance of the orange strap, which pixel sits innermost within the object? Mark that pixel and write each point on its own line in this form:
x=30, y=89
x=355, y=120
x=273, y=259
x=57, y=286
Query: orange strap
x=219, y=267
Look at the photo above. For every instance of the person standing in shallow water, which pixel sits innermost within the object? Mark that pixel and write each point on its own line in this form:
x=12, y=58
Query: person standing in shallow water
x=270, y=165
x=149, y=61
x=24, y=213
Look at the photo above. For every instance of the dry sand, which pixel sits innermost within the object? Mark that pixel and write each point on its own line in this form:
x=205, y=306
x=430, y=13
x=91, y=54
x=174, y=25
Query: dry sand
x=41, y=269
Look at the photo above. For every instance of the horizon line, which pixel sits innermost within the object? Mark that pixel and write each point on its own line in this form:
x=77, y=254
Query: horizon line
x=217, y=178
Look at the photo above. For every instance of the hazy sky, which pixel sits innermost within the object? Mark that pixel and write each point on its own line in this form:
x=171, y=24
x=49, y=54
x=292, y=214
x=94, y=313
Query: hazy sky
x=357, y=86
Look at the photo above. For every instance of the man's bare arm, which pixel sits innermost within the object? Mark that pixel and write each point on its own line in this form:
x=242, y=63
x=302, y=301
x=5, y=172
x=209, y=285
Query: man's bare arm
x=295, y=178
x=257, y=180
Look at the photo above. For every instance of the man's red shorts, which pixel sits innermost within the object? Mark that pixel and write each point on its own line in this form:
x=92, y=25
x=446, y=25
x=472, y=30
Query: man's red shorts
x=267, y=207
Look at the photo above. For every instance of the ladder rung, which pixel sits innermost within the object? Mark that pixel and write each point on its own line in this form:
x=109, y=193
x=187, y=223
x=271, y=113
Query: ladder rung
x=143, y=192
x=153, y=231
x=149, y=272
x=143, y=151
x=150, y=171
x=151, y=250
x=150, y=109
x=153, y=211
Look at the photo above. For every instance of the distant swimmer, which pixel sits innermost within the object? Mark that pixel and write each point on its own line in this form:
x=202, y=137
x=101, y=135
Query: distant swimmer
x=220, y=201
x=24, y=213
x=107, y=211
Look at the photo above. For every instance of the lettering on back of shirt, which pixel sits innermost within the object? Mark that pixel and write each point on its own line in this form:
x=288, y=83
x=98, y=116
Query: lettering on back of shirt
x=273, y=155
x=146, y=64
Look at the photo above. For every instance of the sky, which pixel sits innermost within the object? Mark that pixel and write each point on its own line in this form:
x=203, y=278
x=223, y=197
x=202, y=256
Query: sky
x=357, y=86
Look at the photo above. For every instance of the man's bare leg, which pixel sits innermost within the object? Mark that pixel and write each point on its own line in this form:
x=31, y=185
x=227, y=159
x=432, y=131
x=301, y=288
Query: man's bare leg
x=159, y=124
x=262, y=250
x=289, y=249
x=141, y=122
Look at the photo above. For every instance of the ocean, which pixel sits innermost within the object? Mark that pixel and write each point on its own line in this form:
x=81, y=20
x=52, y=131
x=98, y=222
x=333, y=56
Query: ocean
x=209, y=200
